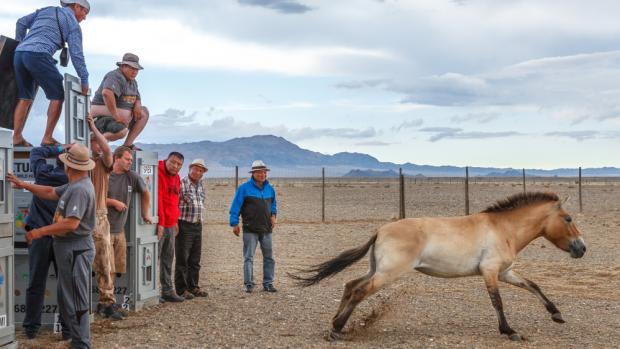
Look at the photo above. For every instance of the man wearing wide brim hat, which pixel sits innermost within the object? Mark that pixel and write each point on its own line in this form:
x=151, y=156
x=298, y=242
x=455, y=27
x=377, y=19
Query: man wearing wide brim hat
x=74, y=250
x=117, y=104
x=255, y=201
x=188, y=244
x=41, y=34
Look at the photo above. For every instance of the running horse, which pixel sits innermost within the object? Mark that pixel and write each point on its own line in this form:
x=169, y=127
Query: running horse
x=485, y=244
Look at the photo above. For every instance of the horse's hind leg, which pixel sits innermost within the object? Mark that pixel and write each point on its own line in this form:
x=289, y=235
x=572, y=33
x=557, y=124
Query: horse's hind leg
x=517, y=280
x=348, y=289
x=364, y=288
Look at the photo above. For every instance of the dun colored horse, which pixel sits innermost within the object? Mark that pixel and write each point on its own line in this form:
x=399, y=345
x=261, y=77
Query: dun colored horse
x=484, y=244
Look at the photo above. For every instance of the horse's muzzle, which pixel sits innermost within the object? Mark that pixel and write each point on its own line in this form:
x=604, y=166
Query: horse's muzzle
x=577, y=248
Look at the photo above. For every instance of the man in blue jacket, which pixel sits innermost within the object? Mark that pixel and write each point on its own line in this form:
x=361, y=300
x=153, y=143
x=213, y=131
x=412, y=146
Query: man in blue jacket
x=40, y=252
x=255, y=200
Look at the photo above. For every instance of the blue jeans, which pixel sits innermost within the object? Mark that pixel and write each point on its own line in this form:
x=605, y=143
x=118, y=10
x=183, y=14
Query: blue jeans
x=250, y=240
x=40, y=256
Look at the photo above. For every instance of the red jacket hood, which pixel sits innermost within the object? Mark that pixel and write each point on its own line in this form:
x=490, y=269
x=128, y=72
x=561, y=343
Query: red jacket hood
x=168, y=191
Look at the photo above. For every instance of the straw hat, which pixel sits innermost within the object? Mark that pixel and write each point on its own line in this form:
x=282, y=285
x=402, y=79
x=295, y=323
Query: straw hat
x=199, y=163
x=78, y=158
x=258, y=165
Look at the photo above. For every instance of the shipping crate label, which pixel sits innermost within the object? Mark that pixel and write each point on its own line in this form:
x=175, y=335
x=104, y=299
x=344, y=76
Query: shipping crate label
x=21, y=169
x=57, y=325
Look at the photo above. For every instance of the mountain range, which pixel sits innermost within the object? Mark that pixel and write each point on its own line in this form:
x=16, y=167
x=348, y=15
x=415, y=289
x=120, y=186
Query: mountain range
x=286, y=159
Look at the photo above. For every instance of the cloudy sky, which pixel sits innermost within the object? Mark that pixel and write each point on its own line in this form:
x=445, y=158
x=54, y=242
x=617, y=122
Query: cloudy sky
x=521, y=83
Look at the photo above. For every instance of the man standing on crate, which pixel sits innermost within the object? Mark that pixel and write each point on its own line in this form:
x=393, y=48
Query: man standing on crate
x=189, y=241
x=74, y=250
x=255, y=200
x=117, y=105
x=40, y=251
x=41, y=34
x=123, y=183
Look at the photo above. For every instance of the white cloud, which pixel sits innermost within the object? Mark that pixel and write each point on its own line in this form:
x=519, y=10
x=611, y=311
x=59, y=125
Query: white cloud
x=181, y=126
x=169, y=43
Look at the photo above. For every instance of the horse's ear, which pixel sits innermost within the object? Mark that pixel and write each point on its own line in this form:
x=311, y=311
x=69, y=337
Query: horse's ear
x=565, y=200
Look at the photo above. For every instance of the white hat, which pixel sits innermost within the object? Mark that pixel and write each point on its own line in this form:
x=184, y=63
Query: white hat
x=199, y=163
x=258, y=165
x=83, y=3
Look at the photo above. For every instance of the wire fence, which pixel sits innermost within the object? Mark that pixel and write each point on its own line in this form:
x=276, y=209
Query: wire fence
x=320, y=198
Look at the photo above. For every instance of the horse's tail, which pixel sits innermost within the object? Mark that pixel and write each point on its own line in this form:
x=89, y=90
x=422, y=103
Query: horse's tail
x=335, y=265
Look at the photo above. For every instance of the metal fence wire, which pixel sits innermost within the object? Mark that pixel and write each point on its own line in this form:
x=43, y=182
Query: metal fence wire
x=321, y=198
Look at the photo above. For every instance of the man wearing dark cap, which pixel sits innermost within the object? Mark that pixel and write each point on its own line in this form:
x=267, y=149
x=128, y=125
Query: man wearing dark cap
x=117, y=105
x=40, y=35
x=74, y=222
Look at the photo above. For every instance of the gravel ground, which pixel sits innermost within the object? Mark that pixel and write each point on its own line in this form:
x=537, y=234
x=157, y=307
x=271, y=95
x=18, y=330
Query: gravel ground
x=416, y=311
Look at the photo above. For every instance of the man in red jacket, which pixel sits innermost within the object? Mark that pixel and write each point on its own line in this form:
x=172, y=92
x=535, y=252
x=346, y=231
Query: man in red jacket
x=169, y=187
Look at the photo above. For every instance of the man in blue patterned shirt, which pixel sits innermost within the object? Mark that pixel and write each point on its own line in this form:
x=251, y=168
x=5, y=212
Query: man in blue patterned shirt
x=41, y=34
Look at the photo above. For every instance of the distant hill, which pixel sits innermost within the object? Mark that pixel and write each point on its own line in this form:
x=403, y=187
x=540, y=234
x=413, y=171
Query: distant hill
x=286, y=159
x=372, y=173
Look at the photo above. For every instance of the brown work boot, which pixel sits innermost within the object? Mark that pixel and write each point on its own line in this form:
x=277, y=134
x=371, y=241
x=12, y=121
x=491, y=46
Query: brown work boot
x=187, y=295
x=197, y=292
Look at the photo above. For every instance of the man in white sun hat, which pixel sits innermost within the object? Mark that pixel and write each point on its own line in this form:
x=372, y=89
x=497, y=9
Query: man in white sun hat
x=189, y=241
x=117, y=104
x=255, y=200
x=74, y=249
x=40, y=35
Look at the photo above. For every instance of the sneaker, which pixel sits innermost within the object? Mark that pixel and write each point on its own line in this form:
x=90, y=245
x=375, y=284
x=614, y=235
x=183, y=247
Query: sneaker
x=249, y=288
x=119, y=309
x=172, y=297
x=187, y=295
x=269, y=288
x=197, y=292
x=110, y=313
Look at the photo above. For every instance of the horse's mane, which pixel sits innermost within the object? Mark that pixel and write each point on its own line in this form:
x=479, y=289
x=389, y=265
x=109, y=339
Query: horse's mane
x=516, y=201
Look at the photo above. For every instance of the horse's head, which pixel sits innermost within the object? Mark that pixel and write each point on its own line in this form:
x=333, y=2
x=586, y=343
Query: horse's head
x=561, y=230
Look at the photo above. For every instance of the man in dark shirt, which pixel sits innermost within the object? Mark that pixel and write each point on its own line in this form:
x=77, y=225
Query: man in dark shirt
x=40, y=252
x=117, y=105
x=123, y=183
x=72, y=229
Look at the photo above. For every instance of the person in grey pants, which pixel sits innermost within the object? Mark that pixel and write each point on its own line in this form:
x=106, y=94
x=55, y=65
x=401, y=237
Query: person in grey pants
x=74, y=249
x=168, y=189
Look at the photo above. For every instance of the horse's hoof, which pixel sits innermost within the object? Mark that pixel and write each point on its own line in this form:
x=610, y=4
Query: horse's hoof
x=557, y=317
x=515, y=337
x=334, y=336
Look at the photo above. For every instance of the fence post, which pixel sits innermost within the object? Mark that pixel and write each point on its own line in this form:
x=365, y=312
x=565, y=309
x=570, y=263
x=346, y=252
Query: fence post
x=401, y=213
x=580, y=201
x=466, y=190
x=236, y=177
x=523, y=181
x=323, y=197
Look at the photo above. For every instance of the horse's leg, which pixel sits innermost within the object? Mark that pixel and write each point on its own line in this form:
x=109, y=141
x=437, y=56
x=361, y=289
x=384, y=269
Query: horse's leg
x=490, y=279
x=346, y=297
x=348, y=289
x=359, y=292
x=517, y=280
